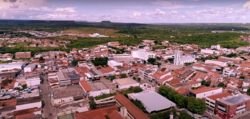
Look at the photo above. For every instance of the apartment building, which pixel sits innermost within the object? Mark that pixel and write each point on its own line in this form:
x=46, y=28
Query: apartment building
x=19, y=55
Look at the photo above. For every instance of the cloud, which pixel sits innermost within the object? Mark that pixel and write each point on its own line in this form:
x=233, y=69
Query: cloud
x=198, y=0
x=12, y=1
x=66, y=9
x=247, y=5
x=14, y=6
x=167, y=4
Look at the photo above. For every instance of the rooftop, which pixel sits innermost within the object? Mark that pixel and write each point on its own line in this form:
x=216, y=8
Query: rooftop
x=146, y=98
x=219, y=96
x=98, y=85
x=28, y=100
x=204, y=89
x=68, y=91
x=125, y=81
x=131, y=108
x=232, y=100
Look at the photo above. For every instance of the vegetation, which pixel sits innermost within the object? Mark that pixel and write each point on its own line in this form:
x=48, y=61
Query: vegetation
x=151, y=60
x=248, y=91
x=104, y=96
x=139, y=104
x=158, y=47
x=164, y=115
x=232, y=55
x=123, y=75
x=112, y=77
x=24, y=86
x=92, y=104
x=221, y=85
x=242, y=77
x=75, y=62
x=206, y=83
x=131, y=90
x=192, y=104
x=100, y=61
x=185, y=115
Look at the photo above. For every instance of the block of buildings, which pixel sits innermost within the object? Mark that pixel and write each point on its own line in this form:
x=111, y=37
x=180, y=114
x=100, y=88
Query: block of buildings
x=146, y=98
x=125, y=83
x=68, y=76
x=10, y=66
x=27, y=103
x=204, y=92
x=94, y=89
x=128, y=110
x=142, y=54
x=19, y=55
x=113, y=44
x=114, y=63
x=30, y=67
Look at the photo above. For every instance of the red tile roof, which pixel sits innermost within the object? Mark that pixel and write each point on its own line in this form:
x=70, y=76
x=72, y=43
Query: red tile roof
x=100, y=113
x=192, y=82
x=24, y=116
x=132, y=109
x=85, y=85
x=106, y=70
x=202, y=90
x=182, y=91
x=220, y=95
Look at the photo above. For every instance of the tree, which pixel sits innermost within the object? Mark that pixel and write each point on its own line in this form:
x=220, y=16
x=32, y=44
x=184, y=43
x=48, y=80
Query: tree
x=123, y=75
x=139, y=104
x=248, y=91
x=112, y=77
x=196, y=105
x=221, y=85
x=41, y=59
x=134, y=78
x=163, y=90
x=203, y=82
x=139, y=79
x=208, y=83
x=179, y=99
x=242, y=77
x=137, y=89
x=171, y=95
x=185, y=115
x=156, y=42
x=92, y=104
x=24, y=86
x=151, y=60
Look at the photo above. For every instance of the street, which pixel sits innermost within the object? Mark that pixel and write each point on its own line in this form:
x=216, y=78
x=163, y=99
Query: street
x=48, y=108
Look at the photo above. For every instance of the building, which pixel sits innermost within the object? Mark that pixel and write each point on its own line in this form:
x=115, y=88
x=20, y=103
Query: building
x=113, y=44
x=27, y=103
x=114, y=63
x=19, y=55
x=142, y=54
x=161, y=76
x=5, y=57
x=125, y=83
x=107, y=71
x=194, y=84
x=30, y=67
x=181, y=60
x=146, y=98
x=94, y=89
x=128, y=110
x=211, y=101
x=68, y=76
x=123, y=58
x=67, y=94
x=10, y=66
x=100, y=113
x=216, y=47
x=204, y=92
x=232, y=106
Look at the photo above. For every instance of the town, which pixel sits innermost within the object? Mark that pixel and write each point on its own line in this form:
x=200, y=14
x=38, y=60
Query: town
x=112, y=81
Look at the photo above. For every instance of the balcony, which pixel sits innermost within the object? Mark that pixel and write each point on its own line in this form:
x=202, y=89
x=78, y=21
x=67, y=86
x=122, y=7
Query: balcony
x=240, y=110
x=241, y=106
x=221, y=108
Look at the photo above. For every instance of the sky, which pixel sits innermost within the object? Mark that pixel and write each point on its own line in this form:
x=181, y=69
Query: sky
x=136, y=11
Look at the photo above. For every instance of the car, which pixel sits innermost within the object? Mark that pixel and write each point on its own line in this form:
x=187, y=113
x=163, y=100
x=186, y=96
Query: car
x=50, y=114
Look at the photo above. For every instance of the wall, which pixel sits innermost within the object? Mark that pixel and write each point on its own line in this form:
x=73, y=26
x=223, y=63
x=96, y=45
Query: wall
x=97, y=93
x=127, y=86
x=208, y=93
x=30, y=105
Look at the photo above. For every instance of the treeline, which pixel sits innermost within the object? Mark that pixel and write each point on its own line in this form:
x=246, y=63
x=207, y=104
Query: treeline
x=194, y=105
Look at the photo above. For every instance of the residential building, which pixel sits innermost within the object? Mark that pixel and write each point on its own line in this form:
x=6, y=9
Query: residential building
x=107, y=71
x=142, y=54
x=11, y=66
x=27, y=103
x=204, y=92
x=94, y=89
x=114, y=63
x=113, y=44
x=19, y=55
x=161, y=76
x=123, y=58
x=68, y=76
x=128, y=110
x=215, y=47
x=179, y=59
x=194, y=84
x=30, y=67
x=125, y=83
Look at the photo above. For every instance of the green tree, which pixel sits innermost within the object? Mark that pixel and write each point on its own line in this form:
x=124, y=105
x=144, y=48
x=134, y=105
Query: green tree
x=92, y=104
x=221, y=85
x=242, y=77
x=179, y=100
x=151, y=60
x=137, y=89
x=208, y=83
x=139, y=104
x=203, y=82
x=134, y=78
x=185, y=115
x=123, y=75
x=24, y=86
x=139, y=79
x=112, y=77
x=171, y=95
x=248, y=91
x=196, y=105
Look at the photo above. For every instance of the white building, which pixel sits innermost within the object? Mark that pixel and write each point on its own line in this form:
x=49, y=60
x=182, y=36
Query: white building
x=217, y=47
x=27, y=103
x=125, y=83
x=142, y=54
x=94, y=88
x=181, y=60
x=10, y=66
x=30, y=67
x=113, y=63
x=216, y=62
x=146, y=97
x=204, y=92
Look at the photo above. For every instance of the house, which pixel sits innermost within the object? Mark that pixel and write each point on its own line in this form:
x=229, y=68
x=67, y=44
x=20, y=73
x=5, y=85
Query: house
x=19, y=55
x=182, y=91
x=245, y=85
x=107, y=71
x=30, y=67
x=186, y=75
x=125, y=83
x=200, y=76
x=161, y=76
x=128, y=110
x=82, y=72
x=201, y=67
x=27, y=103
x=113, y=63
x=204, y=92
x=113, y=44
x=142, y=54
x=194, y=84
x=94, y=89
x=68, y=76
x=215, y=47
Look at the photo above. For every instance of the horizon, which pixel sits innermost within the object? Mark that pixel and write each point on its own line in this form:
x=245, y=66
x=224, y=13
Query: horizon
x=129, y=11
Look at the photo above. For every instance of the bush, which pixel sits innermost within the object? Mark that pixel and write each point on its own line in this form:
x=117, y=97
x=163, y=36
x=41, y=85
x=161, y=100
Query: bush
x=132, y=90
x=242, y=77
x=139, y=79
x=139, y=104
x=185, y=115
x=24, y=86
x=123, y=75
x=104, y=96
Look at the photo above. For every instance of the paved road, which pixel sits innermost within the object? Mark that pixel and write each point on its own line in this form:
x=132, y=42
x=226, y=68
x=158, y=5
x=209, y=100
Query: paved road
x=48, y=108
